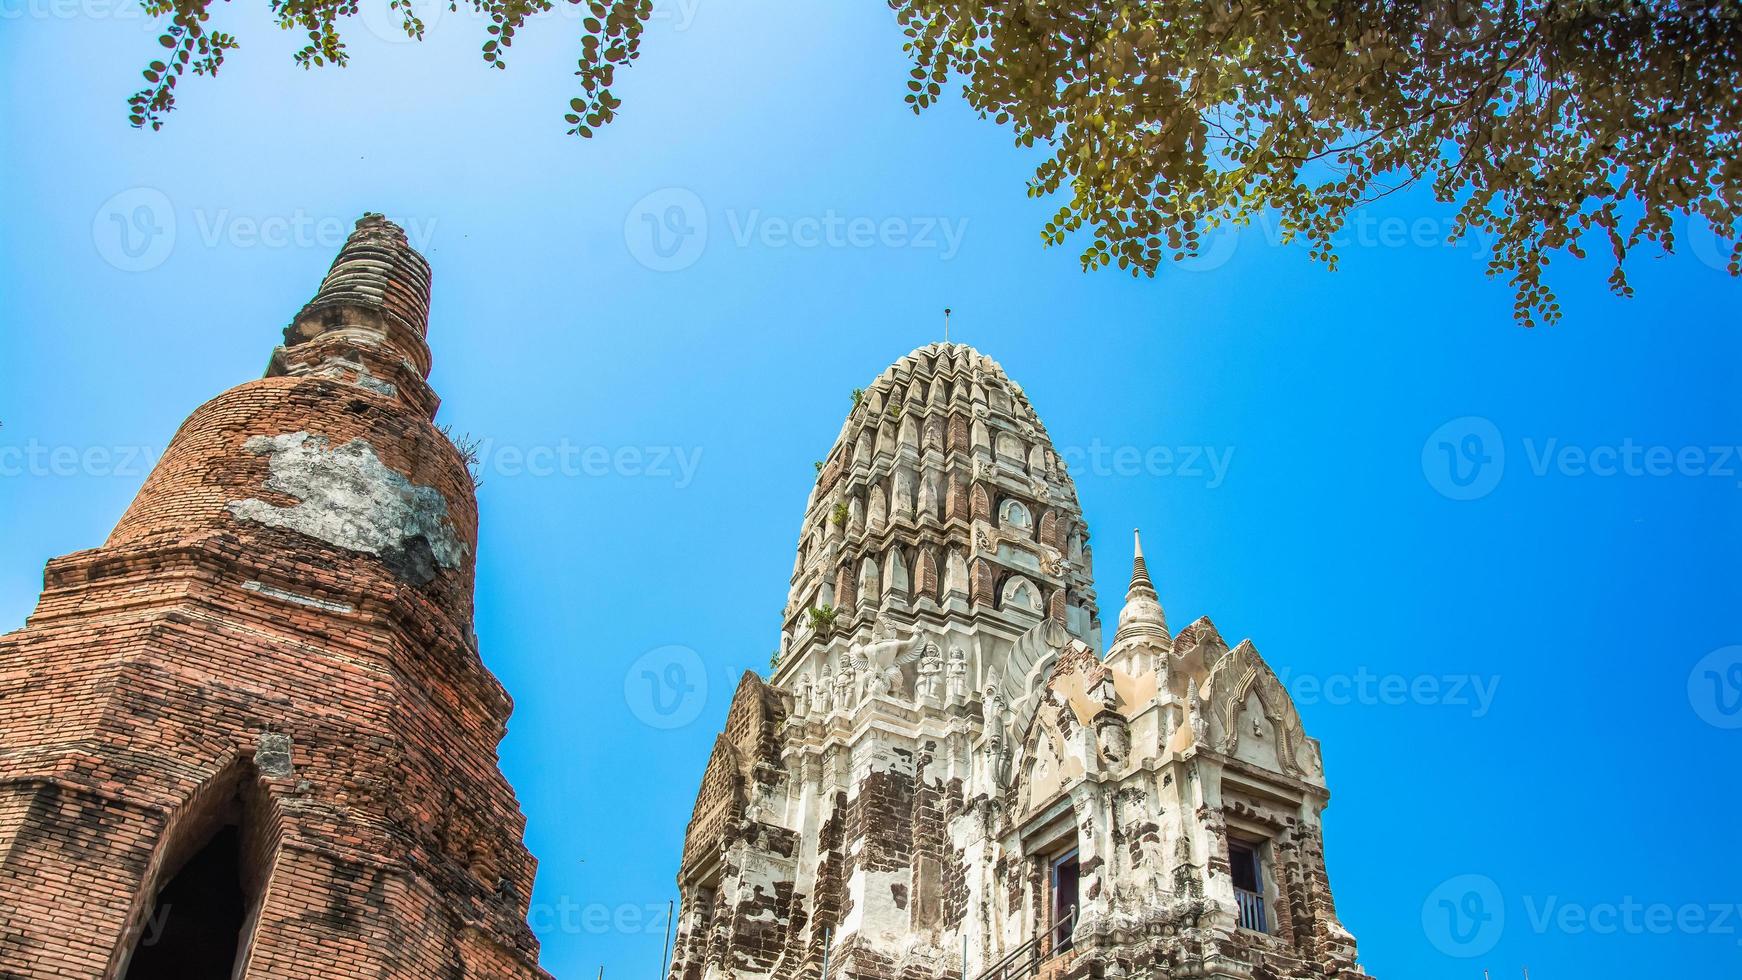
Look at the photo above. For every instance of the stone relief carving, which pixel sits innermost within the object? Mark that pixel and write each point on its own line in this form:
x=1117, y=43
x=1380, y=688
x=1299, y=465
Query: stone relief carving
x=930, y=669
x=957, y=675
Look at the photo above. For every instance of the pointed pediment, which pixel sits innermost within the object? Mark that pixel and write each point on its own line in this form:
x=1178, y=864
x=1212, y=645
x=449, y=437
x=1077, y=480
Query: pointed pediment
x=1252, y=717
x=1045, y=761
x=1197, y=648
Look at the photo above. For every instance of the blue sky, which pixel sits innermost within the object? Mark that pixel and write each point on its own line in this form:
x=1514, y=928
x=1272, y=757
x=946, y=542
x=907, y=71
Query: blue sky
x=1515, y=619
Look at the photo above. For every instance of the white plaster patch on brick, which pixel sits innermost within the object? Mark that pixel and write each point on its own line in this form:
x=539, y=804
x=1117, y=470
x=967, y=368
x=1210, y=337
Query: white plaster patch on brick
x=301, y=600
x=881, y=919
x=885, y=754
x=349, y=498
x=854, y=918
x=763, y=871
x=357, y=373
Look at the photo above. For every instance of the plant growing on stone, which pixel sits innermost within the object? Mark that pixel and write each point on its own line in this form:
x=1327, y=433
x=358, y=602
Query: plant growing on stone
x=822, y=619
x=858, y=396
x=838, y=516
x=1546, y=127
x=467, y=446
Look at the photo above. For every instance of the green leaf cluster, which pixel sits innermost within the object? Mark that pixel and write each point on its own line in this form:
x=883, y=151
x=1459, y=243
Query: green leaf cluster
x=1543, y=126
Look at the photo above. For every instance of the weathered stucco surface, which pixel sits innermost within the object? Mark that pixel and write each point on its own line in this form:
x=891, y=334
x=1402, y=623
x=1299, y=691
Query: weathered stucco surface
x=347, y=497
x=942, y=724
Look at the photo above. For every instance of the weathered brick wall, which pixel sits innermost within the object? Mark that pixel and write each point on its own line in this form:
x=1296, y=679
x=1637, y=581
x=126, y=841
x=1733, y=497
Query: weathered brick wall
x=278, y=632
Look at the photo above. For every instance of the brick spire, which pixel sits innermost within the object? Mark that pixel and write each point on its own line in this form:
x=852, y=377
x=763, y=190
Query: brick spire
x=369, y=320
x=376, y=270
x=267, y=679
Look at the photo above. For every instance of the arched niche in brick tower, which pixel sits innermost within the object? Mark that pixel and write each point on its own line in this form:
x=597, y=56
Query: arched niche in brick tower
x=196, y=910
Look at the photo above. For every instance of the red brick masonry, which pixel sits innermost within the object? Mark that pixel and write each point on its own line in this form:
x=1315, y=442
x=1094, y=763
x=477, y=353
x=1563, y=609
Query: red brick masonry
x=277, y=638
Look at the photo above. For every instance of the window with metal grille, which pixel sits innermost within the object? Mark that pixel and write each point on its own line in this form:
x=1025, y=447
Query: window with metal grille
x=1247, y=868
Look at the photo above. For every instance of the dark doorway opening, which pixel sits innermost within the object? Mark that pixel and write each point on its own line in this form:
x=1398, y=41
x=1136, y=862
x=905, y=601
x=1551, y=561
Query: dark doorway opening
x=195, y=926
x=1065, y=871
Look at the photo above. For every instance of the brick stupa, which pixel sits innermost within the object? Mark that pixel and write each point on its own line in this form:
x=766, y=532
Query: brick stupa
x=251, y=735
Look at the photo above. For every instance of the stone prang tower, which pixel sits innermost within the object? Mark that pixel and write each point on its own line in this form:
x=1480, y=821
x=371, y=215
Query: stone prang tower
x=251, y=736
x=946, y=777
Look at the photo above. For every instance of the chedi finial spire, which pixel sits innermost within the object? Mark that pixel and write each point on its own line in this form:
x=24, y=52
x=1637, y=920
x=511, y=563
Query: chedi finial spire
x=377, y=269
x=367, y=322
x=1142, y=615
x=376, y=293
x=1140, y=583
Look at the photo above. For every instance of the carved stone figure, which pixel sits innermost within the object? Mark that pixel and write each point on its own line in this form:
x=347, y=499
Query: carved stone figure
x=957, y=676
x=846, y=683
x=930, y=669
x=825, y=690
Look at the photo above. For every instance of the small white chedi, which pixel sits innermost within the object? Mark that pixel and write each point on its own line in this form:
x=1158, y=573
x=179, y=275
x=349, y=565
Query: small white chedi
x=945, y=777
